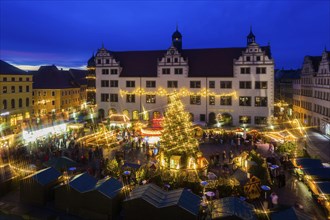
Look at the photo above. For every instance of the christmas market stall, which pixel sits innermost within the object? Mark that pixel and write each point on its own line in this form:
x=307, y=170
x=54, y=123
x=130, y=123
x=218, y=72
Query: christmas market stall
x=151, y=202
x=37, y=188
x=321, y=191
x=305, y=163
x=7, y=179
x=232, y=208
x=106, y=197
x=71, y=195
x=290, y=213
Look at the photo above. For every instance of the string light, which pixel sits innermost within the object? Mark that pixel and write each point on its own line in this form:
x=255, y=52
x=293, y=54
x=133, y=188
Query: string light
x=183, y=92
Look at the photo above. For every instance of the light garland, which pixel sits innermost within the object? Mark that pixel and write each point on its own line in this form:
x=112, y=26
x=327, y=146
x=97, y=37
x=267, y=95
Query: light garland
x=183, y=92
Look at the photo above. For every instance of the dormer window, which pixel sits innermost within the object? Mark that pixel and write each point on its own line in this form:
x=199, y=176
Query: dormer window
x=168, y=60
x=166, y=71
x=98, y=61
x=178, y=71
x=247, y=58
x=176, y=60
x=258, y=58
x=107, y=61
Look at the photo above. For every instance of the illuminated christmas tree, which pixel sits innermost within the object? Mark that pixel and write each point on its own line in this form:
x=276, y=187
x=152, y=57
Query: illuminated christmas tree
x=178, y=136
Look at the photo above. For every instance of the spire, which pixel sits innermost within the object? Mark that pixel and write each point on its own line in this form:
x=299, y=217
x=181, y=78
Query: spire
x=177, y=26
x=251, y=38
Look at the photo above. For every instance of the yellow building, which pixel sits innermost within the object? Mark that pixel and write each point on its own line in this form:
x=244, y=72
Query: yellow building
x=15, y=96
x=57, y=94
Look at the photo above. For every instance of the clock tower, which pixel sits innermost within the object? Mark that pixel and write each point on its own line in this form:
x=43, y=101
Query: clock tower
x=177, y=40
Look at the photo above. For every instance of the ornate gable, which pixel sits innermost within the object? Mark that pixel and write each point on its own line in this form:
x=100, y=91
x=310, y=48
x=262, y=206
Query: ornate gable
x=172, y=63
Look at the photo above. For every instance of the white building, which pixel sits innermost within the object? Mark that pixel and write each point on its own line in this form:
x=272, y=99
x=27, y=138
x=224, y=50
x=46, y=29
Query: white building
x=218, y=85
x=311, y=99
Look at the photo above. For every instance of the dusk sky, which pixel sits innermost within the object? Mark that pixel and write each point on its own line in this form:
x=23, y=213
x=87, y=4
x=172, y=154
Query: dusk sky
x=66, y=33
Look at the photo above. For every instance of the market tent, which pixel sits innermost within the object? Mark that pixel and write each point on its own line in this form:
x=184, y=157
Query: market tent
x=72, y=196
x=37, y=188
x=106, y=197
x=318, y=174
x=151, y=201
x=291, y=213
x=61, y=163
x=304, y=163
x=7, y=178
x=232, y=208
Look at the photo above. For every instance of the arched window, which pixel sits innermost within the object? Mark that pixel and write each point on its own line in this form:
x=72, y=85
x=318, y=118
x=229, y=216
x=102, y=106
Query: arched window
x=126, y=112
x=5, y=104
x=135, y=115
x=13, y=103
x=27, y=102
x=146, y=116
x=20, y=103
x=156, y=115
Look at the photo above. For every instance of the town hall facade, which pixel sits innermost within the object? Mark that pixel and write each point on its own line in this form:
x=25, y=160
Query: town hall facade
x=219, y=86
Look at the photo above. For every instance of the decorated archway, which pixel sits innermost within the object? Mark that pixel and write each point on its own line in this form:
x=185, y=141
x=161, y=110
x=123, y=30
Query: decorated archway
x=156, y=115
x=126, y=112
x=135, y=115
x=224, y=119
x=101, y=113
x=112, y=111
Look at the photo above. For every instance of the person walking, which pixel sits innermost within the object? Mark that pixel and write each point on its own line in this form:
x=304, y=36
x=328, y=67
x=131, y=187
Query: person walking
x=274, y=199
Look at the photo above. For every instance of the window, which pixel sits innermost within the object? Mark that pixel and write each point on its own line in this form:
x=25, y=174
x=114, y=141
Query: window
x=130, y=98
x=245, y=101
x=172, y=84
x=13, y=89
x=53, y=93
x=13, y=103
x=113, y=83
x=13, y=79
x=130, y=84
x=104, y=83
x=248, y=59
x=45, y=93
x=166, y=71
x=244, y=119
x=151, y=84
x=20, y=79
x=20, y=89
x=258, y=120
x=104, y=97
x=27, y=102
x=150, y=98
x=4, y=89
x=176, y=60
x=261, y=85
x=261, y=70
x=225, y=84
x=258, y=58
x=225, y=100
x=98, y=61
x=211, y=84
x=245, y=84
x=39, y=93
x=202, y=117
x=195, y=84
x=168, y=60
x=114, y=71
x=178, y=71
x=20, y=103
x=53, y=102
x=245, y=70
x=260, y=101
x=195, y=100
x=211, y=100
x=4, y=104
x=105, y=71
x=107, y=61
x=113, y=97
x=5, y=79
x=27, y=79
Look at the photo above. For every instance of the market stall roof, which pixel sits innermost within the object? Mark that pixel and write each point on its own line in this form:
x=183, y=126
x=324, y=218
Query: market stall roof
x=83, y=182
x=131, y=165
x=324, y=187
x=60, y=163
x=45, y=176
x=119, y=118
x=318, y=173
x=109, y=187
x=305, y=163
x=290, y=213
x=160, y=198
x=231, y=207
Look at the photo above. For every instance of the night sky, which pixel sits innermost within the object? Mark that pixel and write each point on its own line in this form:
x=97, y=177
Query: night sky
x=67, y=33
